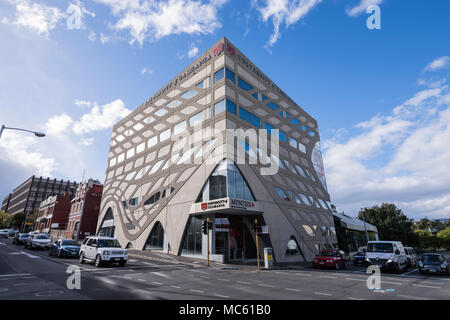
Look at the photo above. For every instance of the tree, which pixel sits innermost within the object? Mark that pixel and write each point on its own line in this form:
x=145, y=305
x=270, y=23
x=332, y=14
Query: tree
x=3, y=219
x=391, y=223
x=444, y=236
x=16, y=221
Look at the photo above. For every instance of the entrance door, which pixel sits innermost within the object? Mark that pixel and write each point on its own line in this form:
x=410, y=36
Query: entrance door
x=222, y=244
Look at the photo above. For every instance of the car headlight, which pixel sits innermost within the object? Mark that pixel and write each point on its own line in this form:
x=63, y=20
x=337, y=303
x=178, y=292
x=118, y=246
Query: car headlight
x=125, y=252
x=444, y=265
x=106, y=252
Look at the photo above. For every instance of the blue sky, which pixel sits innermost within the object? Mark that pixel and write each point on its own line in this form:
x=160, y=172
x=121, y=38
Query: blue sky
x=381, y=97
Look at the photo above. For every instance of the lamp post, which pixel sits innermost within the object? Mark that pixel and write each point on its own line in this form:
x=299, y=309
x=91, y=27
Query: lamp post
x=36, y=133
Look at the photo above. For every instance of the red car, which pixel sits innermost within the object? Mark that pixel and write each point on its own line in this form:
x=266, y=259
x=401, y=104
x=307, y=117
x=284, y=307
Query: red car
x=330, y=259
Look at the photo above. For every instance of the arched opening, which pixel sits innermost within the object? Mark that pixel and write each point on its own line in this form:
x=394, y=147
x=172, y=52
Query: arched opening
x=155, y=240
x=293, y=249
x=129, y=245
x=108, y=227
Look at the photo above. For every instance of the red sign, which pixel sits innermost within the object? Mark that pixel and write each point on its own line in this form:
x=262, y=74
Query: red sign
x=204, y=206
x=230, y=49
x=218, y=49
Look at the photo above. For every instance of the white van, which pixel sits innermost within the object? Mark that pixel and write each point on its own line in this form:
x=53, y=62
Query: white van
x=388, y=255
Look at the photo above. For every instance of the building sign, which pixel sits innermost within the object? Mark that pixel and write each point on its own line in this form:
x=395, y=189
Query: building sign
x=218, y=49
x=241, y=204
x=223, y=203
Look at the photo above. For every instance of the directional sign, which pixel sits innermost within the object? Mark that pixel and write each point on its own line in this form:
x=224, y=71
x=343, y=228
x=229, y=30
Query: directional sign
x=27, y=254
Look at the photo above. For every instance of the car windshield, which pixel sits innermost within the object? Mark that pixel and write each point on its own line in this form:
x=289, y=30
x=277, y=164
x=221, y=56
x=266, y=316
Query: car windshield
x=431, y=257
x=108, y=243
x=360, y=254
x=41, y=236
x=328, y=254
x=69, y=243
x=380, y=247
x=24, y=236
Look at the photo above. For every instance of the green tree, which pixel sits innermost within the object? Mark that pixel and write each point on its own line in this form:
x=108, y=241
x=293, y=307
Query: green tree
x=444, y=236
x=3, y=219
x=391, y=223
x=16, y=221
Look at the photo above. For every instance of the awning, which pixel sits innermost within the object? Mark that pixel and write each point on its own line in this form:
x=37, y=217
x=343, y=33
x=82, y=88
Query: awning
x=354, y=223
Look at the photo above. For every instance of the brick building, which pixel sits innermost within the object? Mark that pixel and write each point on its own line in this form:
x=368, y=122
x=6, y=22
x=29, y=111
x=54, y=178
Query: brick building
x=53, y=214
x=84, y=210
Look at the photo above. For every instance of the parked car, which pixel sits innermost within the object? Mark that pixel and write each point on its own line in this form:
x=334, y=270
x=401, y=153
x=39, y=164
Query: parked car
x=329, y=258
x=20, y=238
x=434, y=263
x=387, y=255
x=64, y=248
x=38, y=241
x=12, y=232
x=411, y=257
x=359, y=259
x=103, y=250
x=4, y=233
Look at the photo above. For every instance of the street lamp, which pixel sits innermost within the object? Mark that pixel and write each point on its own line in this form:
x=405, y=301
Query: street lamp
x=36, y=133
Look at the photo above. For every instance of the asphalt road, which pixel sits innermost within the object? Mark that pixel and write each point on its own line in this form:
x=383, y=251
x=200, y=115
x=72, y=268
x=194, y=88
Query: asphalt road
x=26, y=274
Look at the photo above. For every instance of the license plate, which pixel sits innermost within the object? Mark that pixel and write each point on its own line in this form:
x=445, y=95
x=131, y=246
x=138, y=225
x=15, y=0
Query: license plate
x=322, y=262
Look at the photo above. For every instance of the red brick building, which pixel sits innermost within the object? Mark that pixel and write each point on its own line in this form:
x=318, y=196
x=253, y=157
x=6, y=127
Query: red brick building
x=84, y=210
x=53, y=214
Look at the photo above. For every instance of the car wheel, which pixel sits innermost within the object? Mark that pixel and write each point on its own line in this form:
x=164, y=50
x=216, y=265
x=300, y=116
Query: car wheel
x=122, y=263
x=98, y=261
x=397, y=268
x=59, y=254
x=81, y=257
x=50, y=252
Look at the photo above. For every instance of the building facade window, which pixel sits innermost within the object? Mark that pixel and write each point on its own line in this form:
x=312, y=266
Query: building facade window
x=188, y=94
x=293, y=248
x=155, y=240
x=249, y=117
x=219, y=75
x=196, y=119
x=273, y=106
x=230, y=75
x=281, y=193
x=192, y=242
x=244, y=85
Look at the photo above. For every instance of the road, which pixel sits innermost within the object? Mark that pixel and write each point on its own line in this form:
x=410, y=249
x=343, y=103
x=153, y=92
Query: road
x=26, y=274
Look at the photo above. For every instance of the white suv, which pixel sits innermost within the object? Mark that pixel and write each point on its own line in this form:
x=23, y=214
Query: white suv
x=102, y=250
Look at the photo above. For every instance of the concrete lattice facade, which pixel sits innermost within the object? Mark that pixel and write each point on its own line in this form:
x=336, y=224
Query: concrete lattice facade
x=163, y=153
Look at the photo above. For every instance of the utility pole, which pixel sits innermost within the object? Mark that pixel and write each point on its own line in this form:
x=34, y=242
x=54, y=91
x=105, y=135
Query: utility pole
x=257, y=243
x=207, y=242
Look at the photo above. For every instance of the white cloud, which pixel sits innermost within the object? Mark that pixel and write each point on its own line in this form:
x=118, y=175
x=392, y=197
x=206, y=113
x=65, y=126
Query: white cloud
x=86, y=141
x=146, y=70
x=153, y=20
x=362, y=7
x=193, y=52
x=21, y=150
x=83, y=103
x=39, y=18
x=92, y=36
x=101, y=117
x=402, y=158
x=283, y=12
x=58, y=125
x=439, y=63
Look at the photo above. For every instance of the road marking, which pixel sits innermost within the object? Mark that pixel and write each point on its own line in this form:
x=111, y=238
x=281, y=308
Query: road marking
x=220, y=296
x=303, y=274
x=351, y=298
x=196, y=271
x=423, y=286
x=176, y=287
x=265, y=285
x=27, y=254
x=161, y=275
x=143, y=280
x=223, y=280
x=396, y=283
x=323, y=294
x=328, y=277
x=353, y=279
x=157, y=283
x=15, y=274
x=243, y=282
x=409, y=272
x=108, y=281
x=290, y=289
x=28, y=283
x=198, y=291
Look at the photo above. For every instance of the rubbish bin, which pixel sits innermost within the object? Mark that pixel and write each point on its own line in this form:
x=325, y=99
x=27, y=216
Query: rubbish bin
x=268, y=258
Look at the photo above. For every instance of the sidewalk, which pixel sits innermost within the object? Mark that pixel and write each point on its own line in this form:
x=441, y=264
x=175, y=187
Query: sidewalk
x=201, y=263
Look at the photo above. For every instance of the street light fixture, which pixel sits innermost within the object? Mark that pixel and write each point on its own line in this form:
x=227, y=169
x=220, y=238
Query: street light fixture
x=36, y=133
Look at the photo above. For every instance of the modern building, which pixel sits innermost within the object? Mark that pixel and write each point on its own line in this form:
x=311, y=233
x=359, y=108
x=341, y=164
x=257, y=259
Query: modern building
x=219, y=141
x=352, y=233
x=84, y=210
x=53, y=214
x=27, y=197
x=5, y=202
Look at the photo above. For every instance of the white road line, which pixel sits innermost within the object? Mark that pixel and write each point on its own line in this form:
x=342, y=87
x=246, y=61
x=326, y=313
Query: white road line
x=223, y=280
x=198, y=291
x=243, y=282
x=303, y=274
x=351, y=298
x=157, y=283
x=409, y=272
x=108, y=281
x=196, y=271
x=265, y=285
x=353, y=279
x=176, y=287
x=390, y=282
x=161, y=275
x=328, y=277
x=142, y=280
x=423, y=286
x=15, y=274
x=28, y=283
x=291, y=289
x=220, y=296
x=323, y=294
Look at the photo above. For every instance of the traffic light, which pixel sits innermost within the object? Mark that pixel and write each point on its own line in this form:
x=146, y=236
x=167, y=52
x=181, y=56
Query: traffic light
x=205, y=227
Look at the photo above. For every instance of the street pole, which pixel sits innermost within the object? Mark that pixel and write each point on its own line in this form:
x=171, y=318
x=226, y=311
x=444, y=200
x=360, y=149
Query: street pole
x=365, y=228
x=207, y=241
x=257, y=242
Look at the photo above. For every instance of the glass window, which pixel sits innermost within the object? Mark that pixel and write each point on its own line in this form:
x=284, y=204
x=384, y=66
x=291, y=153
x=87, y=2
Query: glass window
x=300, y=170
x=302, y=147
x=149, y=120
x=130, y=153
x=152, y=142
x=304, y=199
x=268, y=127
x=294, y=121
x=121, y=157
x=292, y=142
x=255, y=95
x=282, y=136
x=263, y=97
x=164, y=135
x=273, y=106
x=311, y=133
x=174, y=104
x=156, y=167
x=249, y=117
x=219, y=107
x=134, y=202
x=196, y=119
x=138, y=126
x=161, y=112
x=244, y=85
x=189, y=94
x=186, y=155
x=125, y=205
x=231, y=106
x=140, y=147
x=192, y=243
x=281, y=194
x=200, y=85
x=155, y=240
x=153, y=199
x=179, y=127
x=219, y=75
x=229, y=75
